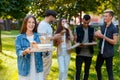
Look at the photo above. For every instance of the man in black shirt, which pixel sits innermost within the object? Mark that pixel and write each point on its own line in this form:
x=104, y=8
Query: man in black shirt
x=84, y=34
x=108, y=36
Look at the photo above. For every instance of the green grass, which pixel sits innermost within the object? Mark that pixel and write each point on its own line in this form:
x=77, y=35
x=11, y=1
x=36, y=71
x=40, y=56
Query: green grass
x=8, y=64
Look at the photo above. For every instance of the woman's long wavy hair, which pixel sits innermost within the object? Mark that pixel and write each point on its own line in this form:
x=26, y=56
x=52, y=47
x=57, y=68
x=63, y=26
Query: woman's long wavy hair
x=24, y=24
x=60, y=28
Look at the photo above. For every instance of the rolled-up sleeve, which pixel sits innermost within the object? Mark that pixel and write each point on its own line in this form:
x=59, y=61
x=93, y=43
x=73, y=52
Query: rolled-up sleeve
x=115, y=31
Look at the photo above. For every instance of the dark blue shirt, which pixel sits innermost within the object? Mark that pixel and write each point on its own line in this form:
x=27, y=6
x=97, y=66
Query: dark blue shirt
x=108, y=50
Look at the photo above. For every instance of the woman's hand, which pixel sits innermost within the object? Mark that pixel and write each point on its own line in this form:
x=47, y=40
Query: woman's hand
x=66, y=25
x=27, y=51
x=63, y=31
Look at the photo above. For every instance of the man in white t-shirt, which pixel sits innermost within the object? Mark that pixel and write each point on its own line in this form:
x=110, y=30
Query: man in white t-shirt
x=44, y=27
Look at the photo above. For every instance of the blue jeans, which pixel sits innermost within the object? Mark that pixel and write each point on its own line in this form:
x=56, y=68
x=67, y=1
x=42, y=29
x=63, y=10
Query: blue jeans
x=63, y=62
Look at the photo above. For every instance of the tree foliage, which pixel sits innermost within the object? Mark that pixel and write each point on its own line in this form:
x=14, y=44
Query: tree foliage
x=64, y=8
x=14, y=8
x=108, y=4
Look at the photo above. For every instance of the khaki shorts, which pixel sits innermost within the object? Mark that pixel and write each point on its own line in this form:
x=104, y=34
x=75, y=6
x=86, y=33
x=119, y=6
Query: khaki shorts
x=47, y=62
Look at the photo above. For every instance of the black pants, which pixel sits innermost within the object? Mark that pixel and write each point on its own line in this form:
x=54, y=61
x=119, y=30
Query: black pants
x=79, y=61
x=99, y=63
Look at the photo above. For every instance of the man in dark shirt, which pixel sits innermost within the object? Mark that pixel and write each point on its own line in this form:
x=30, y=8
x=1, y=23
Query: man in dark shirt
x=108, y=36
x=84, y=34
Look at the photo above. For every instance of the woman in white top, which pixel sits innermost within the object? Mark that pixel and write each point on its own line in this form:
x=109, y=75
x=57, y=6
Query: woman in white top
x=30, y=64
x=62, y=44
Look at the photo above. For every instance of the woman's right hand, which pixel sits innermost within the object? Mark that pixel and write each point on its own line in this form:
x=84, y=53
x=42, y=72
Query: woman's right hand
x=27, y=51
x=66, y=26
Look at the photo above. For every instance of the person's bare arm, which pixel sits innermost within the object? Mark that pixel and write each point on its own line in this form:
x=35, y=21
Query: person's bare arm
x=56, y=36
x=75, y=38
x=71, y=35
x=111, y=41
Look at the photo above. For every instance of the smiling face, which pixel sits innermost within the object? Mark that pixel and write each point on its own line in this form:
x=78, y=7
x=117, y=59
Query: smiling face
x=30, y=24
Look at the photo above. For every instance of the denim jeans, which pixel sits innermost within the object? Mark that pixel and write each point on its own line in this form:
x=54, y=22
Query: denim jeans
x=63, y=62
x=79, y=61
x=99, y=63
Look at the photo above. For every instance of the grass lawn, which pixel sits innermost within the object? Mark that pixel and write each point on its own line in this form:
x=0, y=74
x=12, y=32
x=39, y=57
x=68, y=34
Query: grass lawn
x=8, y=64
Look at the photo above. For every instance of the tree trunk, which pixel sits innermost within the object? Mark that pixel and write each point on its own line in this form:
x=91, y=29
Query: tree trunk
x=80, y=17
x=0, y=41
x=7, y=24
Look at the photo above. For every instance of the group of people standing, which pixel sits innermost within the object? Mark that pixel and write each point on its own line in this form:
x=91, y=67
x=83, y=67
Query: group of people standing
x=36, y=65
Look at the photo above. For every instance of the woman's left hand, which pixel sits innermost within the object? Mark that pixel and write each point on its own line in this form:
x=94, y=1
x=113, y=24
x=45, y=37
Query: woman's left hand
x=63, y=31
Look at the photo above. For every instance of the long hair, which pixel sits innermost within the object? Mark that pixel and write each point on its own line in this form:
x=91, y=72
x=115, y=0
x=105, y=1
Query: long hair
x=24, y=24
x=60, y=28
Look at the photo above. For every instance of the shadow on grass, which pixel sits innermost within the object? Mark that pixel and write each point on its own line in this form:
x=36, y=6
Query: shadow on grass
x=8, y=55
x=8, y=68
x=71, y=73
x=72, y=58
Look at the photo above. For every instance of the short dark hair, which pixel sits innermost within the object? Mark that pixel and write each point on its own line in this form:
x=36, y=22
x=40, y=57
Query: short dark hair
x=50, y=13
x=111, y=12
x=86, y=17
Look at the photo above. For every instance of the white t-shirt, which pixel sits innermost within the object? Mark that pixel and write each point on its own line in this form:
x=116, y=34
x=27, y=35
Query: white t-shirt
x=63, y=44
x=45, y=27
x=62, y=48
x=33, y=75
